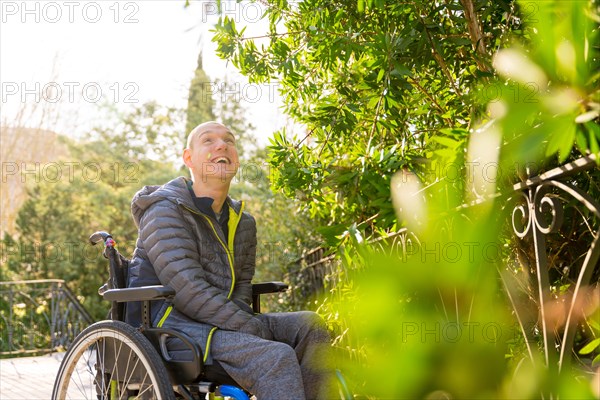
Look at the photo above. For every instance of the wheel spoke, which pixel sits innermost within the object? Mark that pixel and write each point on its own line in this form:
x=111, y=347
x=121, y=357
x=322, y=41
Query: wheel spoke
x=109, y=355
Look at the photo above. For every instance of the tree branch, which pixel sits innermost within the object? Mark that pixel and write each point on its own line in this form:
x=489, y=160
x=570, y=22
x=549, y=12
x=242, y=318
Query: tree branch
x=475, y=32
x=440, y=60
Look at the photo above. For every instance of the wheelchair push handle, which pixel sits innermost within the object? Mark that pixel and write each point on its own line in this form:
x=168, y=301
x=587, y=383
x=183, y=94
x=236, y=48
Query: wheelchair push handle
x=117, y=270
x=99, y=236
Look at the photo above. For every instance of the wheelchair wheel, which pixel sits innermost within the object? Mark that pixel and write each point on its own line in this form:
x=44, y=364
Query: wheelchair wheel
x=112, y=360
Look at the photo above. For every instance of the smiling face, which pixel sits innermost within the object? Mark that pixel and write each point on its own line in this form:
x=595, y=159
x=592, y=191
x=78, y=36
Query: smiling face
x=211, y=153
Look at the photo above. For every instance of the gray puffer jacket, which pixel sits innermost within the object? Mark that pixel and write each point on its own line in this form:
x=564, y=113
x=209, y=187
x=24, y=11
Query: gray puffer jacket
x=185, y=249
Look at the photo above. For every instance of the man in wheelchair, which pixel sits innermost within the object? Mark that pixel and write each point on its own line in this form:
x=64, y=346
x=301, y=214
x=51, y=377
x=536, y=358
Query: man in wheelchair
x=197, y=240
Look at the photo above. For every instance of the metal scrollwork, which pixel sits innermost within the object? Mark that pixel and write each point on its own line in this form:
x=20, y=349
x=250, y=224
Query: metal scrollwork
x=533, y=212
x=521, y=223
x=544, y=204
x=539, y=212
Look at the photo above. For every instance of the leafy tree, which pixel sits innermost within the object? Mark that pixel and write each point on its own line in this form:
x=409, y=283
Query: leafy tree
x=91, y=191
x=284, y=230
x=200, y=99
x=392, y=84
x=148, y=131
x=208, y=100
x=232, y=112
x=430, y=89
x=382, y=81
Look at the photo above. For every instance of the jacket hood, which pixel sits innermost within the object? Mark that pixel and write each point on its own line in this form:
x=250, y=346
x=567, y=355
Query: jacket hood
x=175, y=191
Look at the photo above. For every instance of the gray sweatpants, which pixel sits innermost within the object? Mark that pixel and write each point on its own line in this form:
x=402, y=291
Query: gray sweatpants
x=292, y=366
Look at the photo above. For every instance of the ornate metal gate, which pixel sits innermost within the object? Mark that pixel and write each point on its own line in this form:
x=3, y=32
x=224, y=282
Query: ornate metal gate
x=537, y=218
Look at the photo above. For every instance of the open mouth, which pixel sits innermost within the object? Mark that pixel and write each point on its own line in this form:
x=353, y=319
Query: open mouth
x=221, y=160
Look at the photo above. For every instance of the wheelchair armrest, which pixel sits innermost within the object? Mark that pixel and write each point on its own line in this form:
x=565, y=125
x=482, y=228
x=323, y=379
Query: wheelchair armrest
x=141, y=293
x=264, y=288
x=268, y=287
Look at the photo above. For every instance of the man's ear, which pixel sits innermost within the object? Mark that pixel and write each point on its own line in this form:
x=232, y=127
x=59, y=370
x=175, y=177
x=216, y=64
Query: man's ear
x=187, y=158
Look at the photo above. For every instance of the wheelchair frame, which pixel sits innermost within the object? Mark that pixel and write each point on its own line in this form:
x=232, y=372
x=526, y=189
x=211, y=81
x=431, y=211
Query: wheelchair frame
x=113, y=360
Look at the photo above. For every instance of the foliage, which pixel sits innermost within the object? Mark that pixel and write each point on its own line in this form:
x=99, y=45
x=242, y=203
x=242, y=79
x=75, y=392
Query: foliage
x=91, y=191
x=393, y=84
x=377, y=83
x=147, y=131
x=554, y=119
x=558, y=78
x=436, y=316
x=442, y=91
x=284, y=231
x=232, y=113
x=200, y=99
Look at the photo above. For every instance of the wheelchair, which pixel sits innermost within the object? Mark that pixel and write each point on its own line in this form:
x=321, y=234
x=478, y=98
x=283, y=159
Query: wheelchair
x=112, y=359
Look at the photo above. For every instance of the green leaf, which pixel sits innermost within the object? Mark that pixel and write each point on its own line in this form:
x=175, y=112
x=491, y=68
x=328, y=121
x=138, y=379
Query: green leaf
x=594, y=148
x=331, y=232
x=581, y=140
x=591, y=346
x=361, y=6
x=400, y=70
x=562, y=140
x=445, y=141
x=593, y=128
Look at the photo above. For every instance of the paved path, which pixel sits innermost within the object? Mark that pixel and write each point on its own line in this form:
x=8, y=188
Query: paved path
x=28, y=378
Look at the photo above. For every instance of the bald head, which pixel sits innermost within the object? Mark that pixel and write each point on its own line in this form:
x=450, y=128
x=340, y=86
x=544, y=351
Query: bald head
x=203, y=128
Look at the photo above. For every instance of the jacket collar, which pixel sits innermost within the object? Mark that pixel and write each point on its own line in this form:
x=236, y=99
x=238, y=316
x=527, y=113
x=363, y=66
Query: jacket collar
x=184, y=197
x=176, y=191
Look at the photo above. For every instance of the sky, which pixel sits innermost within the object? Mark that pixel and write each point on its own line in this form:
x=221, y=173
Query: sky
x=80, y=54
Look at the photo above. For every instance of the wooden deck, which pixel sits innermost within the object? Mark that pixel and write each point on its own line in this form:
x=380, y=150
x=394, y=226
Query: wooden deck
x=28, y=377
